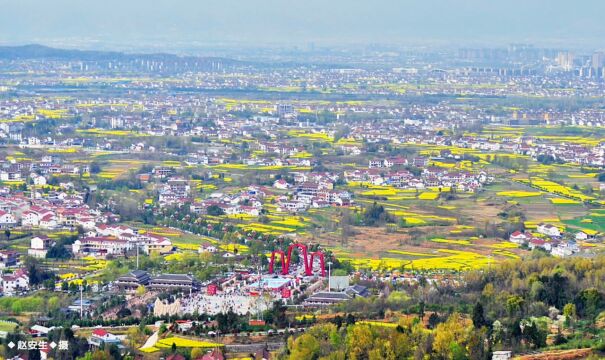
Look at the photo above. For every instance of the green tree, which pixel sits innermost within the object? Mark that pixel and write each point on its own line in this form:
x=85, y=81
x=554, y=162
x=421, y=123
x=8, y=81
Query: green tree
x=304, y=347
x=214, y=210
x=569, y=311
x=383, y=350
x=592, y=301
x=514, y=305
x=477, y=344
x=534, y=334
x=478, y=316
x=450, y=338
x=359, y=341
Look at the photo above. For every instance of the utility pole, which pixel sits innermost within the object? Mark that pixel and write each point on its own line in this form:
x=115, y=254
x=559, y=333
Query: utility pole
x=81, y=301
x=260, y=280
x=329, y=275
x=137, y=254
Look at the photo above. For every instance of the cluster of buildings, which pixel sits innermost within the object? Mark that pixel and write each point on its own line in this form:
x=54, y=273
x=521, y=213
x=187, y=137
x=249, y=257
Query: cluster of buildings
x=310, y=190
x=276, y=148
x=550, y=239
x=162, y=282
x=306, y=190
x=430, y=176
x=176, y=191
x=117, y=240
x=249, y=202
x=14, y=278
x=572, y=153
x=50, y=210
x=533, y=146
x=104, y=240
x=38, y=170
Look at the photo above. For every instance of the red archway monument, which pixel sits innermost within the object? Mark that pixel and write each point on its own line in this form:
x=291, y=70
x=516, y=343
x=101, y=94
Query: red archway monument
x=307, y=258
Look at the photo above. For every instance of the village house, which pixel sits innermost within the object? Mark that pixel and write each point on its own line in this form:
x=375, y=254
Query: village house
x=113, y=230
x=8, y=258
x=30, y=219
x=39, y=246
x=155, y=244
x=7, y=220
x=207, y=248
x=561, y=251
x=100, y=246
x=101, y=337
x=49, y=222
x=583, y=236
x=549, y=230
x=280, y=184
x=537, y=243
x=520, y=238
x=376, y=164
x=16, y=282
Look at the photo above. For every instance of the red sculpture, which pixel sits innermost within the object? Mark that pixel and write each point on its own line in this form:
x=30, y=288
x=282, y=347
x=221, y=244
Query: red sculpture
x=307, y=261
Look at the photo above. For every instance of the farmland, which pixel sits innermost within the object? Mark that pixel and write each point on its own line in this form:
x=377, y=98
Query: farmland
x=447, y=229
x=160, y=202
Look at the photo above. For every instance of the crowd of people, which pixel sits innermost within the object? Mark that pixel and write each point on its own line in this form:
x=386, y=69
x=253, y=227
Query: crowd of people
x=236, y=301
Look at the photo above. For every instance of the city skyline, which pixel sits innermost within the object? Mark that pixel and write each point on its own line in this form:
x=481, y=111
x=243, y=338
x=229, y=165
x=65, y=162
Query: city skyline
x=187, y=25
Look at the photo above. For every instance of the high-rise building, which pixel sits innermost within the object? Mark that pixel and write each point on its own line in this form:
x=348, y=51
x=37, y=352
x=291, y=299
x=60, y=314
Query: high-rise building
x=598, y=59
x=565, y=60
x=597, y=64
x=116, y=122
x=285, y=110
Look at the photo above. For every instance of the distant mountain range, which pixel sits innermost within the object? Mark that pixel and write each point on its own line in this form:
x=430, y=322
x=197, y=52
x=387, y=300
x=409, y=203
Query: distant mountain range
x=30, y=52
x=41, y=52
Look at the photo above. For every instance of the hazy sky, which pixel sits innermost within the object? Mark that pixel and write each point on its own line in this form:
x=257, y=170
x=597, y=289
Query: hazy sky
x=137, y=23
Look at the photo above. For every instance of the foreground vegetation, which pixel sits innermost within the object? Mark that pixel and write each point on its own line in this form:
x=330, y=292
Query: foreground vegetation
x=541, y=303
